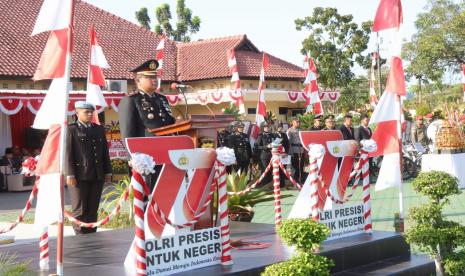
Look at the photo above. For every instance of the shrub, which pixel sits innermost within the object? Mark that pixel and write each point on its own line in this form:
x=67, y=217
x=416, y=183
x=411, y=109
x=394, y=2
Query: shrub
x=302, y=264
x=305, y=235
x=436, y=185
x=430, y=231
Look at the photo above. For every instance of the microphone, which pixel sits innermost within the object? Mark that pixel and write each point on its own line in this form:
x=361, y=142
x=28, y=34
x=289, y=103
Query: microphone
x=174, y=85
x=179, y=86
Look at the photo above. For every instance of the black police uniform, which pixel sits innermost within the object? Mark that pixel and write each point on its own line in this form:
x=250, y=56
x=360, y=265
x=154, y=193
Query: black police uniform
x=88, y=161
x=223, y=138
x=262, y=144
x=286, y=145
x=139, y=112
x=242, y=149
x=316, y=128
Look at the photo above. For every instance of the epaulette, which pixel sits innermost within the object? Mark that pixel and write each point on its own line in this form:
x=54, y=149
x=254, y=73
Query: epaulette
x=133, y=93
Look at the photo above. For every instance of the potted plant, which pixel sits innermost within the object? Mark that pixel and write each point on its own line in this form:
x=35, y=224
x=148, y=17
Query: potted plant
x=241, y=206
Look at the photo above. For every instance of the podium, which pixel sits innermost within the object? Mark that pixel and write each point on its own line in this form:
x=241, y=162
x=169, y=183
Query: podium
x=198, y=126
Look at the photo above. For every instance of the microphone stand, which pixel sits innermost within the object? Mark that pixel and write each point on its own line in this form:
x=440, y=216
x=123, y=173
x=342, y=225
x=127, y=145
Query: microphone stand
x=186, y=112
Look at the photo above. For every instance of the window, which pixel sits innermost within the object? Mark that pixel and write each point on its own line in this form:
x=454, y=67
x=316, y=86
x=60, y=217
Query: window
x=267, y=86
x=251, y=110
x=250, y=85
x=212, y=86
x=294, y=112
x=275, y=86
x=290, y=86
x=19, y=86
x=282, y=86
x=221, y=85
x=44, y=86
x=282, y=110
x=31, y=86
x=5, y=85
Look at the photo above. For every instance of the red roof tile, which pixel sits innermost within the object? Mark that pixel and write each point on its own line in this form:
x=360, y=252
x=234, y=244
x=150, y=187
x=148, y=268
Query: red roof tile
x=127, y=45
x=207, y=59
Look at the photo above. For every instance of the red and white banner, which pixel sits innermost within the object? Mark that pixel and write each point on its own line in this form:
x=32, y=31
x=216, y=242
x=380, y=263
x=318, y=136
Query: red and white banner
x=387, y=114
x=232, y=64
x=325, y=96
x=311, y=86
x=12, y=102
x=96, y=79
x=261, y=106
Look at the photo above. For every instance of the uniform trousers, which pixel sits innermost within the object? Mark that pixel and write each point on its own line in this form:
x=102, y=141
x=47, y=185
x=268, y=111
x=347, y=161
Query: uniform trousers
x=85, y=199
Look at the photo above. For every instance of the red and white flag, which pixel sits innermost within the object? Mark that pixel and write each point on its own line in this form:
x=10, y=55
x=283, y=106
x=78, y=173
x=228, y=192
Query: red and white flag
x=373, y=97
x=95, y=78
x=55, y=16
x=261, y=106
x=463, y=80
x=313, y=100
x=48, y=206
x=232, y=64
x=388, y=16
x=159, y=57
x=387, y=114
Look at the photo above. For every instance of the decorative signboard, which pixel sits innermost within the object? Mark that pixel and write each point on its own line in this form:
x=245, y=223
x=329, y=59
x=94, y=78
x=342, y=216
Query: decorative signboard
x=179, y=230
x=343, y=220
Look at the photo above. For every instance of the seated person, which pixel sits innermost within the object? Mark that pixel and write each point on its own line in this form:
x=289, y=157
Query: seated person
x=9, y=161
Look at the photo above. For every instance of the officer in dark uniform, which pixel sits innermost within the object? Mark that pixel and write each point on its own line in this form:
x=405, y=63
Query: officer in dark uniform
x=317, y=125
x=144, y=108
x=240, y=142
x=330, y=124
x=263, y=146
x=285, y=144
x=222, y=138
x=88, y=165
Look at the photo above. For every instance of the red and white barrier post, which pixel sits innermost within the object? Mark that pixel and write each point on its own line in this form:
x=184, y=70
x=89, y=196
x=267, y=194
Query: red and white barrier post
x=276, y=185
x=224, y=217
x=366, y=191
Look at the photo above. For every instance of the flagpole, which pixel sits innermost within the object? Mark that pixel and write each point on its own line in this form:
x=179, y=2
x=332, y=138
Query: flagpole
x=401, y=157
x=64, y=129
x=378, y=61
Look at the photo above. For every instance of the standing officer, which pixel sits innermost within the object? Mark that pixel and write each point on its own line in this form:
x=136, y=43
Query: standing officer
x=317, y=125
x=263, y=146
x=222, y=138
x=296, y=150
x=144, y=109
x=88, y=165
x=364, y=131
x=347, y=129
x=330, y=124
x=242, y=149
x=285, y=144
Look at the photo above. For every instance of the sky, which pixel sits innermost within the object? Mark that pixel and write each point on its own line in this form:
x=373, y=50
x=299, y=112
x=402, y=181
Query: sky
x=269, y=24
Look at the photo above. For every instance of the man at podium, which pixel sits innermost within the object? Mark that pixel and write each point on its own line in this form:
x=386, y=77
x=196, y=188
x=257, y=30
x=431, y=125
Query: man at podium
x=144, y=109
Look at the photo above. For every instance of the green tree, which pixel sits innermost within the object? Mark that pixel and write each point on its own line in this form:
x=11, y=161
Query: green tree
x=185, y=26
x=353, y=96
x=143, y=18
x=438, y=44
x=336, y=43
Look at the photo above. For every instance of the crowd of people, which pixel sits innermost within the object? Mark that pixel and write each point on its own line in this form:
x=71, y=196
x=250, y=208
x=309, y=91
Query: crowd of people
x=260, y=152
x=11, y=162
